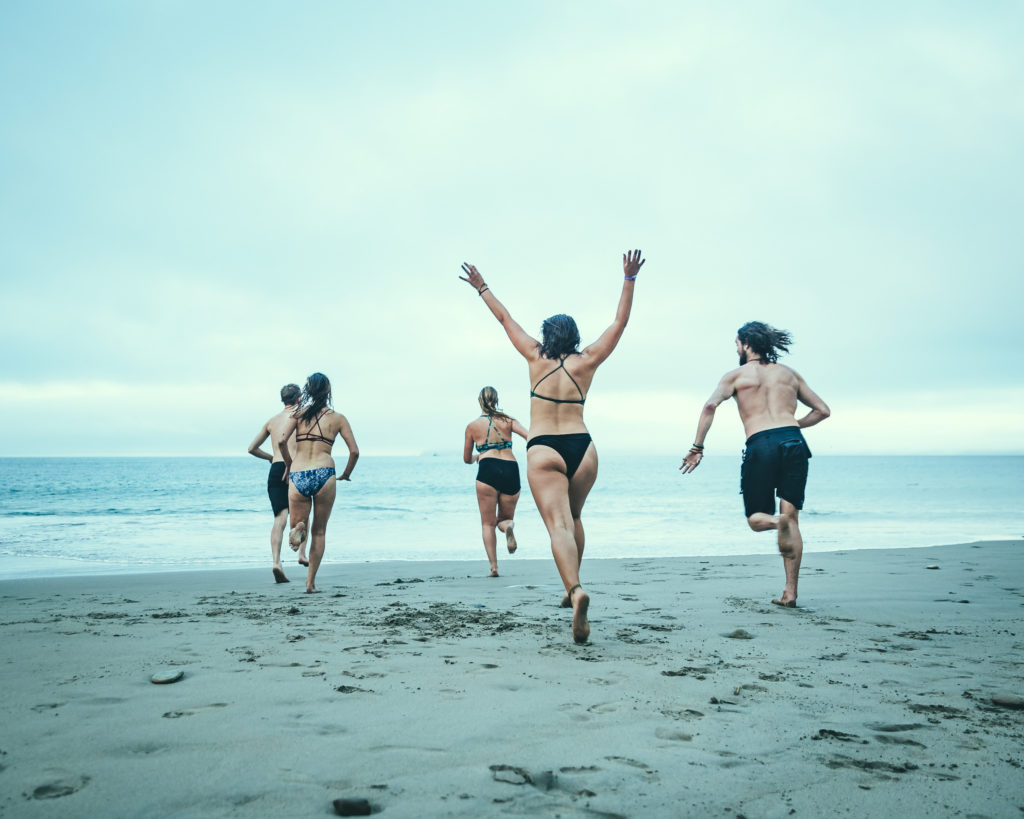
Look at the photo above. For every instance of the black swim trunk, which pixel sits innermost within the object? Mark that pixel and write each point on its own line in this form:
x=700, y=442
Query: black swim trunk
x=277, y=488
x=501, y=474
x=774, y=463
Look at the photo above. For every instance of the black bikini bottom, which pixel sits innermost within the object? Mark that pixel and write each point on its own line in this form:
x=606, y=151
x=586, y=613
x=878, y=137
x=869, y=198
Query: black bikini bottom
x=571, y=447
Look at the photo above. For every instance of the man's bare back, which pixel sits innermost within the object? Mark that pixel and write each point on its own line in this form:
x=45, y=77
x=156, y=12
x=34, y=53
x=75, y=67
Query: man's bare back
x=767, y=395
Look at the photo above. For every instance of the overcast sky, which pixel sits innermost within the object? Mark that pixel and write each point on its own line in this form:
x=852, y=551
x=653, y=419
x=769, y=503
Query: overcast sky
x=200, y=202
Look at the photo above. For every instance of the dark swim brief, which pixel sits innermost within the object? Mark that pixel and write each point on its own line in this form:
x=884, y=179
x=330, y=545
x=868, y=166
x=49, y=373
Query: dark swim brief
x=774, y=463
x=277, y=488
x=572, y=447
x=500, y=474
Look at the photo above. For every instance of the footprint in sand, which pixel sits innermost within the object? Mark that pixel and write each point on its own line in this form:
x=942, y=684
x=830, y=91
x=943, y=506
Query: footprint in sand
x=673, y=734
x=191, y=712
x=62, y=784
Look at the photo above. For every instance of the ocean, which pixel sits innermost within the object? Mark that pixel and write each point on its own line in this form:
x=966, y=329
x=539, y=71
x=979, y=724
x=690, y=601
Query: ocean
x=69, y=516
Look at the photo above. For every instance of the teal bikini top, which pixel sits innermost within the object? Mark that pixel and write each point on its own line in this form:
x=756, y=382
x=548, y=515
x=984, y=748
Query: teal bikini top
x=561, y=366
x=501, y=443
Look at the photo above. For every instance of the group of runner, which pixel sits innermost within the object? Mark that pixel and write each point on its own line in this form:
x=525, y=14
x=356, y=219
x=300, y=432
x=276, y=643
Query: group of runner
x=561, y=457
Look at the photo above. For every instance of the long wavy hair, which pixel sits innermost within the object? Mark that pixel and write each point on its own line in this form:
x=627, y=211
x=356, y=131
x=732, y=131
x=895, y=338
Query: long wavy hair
x=316, y=395
x=764, y=340
x=489, y=404
x=559, y=336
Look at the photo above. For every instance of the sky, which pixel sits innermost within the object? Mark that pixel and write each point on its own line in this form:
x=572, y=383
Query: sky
x=201, y=202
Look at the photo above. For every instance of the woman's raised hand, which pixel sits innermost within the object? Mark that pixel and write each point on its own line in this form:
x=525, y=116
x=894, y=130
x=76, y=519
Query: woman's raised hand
x=631, y=263
x=472, y=276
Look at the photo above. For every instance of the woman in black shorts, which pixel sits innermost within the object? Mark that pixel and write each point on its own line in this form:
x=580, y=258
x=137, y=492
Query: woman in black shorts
x=497, y=478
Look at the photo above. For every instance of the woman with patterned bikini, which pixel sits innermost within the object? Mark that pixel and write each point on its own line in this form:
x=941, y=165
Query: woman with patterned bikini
x=311, y=468
x=497, y=477
x=561, y=461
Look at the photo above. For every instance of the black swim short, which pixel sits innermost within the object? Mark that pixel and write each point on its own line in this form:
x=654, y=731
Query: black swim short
x=277, y=488
x=501, y=474
x=774, y=463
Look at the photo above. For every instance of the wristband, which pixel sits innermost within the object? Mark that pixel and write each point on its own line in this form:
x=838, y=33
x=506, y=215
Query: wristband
x=631, y=278
x=697, y=446
x=483, y=290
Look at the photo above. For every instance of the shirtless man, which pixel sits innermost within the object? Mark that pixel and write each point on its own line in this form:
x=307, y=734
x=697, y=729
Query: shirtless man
x=775, y=458
x=277, y=481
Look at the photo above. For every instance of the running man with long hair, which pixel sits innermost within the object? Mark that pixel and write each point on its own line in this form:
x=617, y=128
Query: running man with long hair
x=776, y=454
x=497, y=476
x=561, y=461
x=311, y=468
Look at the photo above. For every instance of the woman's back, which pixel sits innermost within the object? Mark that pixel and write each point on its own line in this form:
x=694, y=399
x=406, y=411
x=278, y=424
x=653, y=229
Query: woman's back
x=558, y=393
x=314, y=439
x=492, y=436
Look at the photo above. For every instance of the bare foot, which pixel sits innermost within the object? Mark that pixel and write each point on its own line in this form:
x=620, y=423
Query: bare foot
x=312, y=590
x=297, y=536
x=510, y=539
x=782, y=601
x=279, y=576
x=566, y=602
x=580, y=604
x=303, y=560
x=494, y=572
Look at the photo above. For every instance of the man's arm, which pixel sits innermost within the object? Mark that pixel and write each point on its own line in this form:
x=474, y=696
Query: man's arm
x=257, y=442
x=819, y=409
x=723, y=392
x=353, y=450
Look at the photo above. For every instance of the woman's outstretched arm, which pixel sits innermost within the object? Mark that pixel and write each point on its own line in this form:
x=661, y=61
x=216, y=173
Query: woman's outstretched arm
x=602, y=348
x=520, y=339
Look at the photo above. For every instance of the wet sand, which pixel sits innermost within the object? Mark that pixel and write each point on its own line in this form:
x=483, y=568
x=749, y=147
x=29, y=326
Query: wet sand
x=431, y=690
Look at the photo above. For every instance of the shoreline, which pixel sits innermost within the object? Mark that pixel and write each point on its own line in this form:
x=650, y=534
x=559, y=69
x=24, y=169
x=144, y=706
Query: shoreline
x=429, y=689
x=291, y=567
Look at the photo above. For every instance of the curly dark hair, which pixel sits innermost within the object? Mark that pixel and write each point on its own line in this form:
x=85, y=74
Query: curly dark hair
x=315, y=396
x=559, y=336
x=764, y=340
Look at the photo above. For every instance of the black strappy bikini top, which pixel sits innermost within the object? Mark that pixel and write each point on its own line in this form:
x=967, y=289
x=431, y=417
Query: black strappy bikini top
x=561, y=366
x=501, y=443
x=309, y=435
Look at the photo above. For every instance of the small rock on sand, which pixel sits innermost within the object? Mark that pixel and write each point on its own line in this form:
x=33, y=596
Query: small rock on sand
x=352, y=807
x=740, y=634
x=931, y=567
x=1008, y=700
x=167, y=677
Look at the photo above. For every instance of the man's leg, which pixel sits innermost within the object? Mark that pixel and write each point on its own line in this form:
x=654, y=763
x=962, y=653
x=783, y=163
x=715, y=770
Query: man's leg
x=791, y=545
x=277, y=536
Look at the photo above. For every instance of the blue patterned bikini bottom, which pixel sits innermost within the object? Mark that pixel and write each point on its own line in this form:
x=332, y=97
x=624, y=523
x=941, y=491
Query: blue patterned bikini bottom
x=311, y=481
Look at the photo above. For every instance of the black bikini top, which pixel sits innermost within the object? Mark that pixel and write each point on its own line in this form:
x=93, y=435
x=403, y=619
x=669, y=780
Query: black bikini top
x=561, y=366
x=309, y=435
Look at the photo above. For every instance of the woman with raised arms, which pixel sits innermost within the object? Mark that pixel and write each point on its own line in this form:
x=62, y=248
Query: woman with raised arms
x=561, y=461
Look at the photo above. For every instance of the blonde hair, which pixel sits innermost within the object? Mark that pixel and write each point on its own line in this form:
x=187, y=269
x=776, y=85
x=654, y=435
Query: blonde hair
x=489, y=403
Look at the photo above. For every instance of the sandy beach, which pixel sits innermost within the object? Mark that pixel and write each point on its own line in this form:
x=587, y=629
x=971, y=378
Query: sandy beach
x=430, y=690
